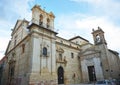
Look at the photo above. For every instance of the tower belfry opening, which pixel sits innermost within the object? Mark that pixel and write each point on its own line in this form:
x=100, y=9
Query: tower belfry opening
x=98, y=36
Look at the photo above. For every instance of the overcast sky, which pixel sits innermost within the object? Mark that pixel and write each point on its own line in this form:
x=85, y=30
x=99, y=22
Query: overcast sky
x=73, y=17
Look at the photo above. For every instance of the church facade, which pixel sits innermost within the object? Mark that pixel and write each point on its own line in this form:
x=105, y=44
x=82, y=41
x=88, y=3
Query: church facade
x=37, y=56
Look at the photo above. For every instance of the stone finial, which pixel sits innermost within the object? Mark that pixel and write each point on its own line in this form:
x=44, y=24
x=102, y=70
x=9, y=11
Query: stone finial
x=93, y=30
x=51, y=14
x=36, y=6
x=99, y=28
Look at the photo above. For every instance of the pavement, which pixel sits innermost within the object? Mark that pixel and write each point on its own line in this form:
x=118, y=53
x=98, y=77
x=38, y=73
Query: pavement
x=76, y=84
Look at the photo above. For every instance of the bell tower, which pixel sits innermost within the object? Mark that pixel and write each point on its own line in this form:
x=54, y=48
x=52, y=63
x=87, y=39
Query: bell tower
x=98, y=36
x=100, y=44
x=42, y=18
x=43, y=47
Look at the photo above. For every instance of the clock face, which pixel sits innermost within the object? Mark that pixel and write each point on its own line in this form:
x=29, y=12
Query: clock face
x=98, y=39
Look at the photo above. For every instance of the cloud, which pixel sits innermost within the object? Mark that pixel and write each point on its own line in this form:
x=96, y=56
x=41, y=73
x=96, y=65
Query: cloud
x=5, y=30
x=3, y=45
x=69, y=25
x=5, y=26
x=103, y=7
x=90, y=1
x=103, y=13
x=11, y=10
x=18, y=10
x=83, y=25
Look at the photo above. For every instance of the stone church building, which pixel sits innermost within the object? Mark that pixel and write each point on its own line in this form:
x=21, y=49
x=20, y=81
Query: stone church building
x=37, y=56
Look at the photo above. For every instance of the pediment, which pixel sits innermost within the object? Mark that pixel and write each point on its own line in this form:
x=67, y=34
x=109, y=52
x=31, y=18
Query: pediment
x=18, y=23
x=90, y=50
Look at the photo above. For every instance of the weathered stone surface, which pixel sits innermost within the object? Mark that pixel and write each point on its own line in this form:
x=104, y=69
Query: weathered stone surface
x=34, y=65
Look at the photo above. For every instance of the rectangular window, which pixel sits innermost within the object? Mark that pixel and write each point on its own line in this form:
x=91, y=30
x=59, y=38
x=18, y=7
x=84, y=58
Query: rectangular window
x=23, y=48
x=72, y=55
x=60, y=56
x=15, y=40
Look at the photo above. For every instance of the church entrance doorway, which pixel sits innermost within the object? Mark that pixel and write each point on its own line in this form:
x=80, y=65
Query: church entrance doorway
x=60, y=73
x=91, y=73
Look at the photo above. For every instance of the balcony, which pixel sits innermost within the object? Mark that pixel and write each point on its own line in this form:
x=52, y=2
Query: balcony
x=61, y=60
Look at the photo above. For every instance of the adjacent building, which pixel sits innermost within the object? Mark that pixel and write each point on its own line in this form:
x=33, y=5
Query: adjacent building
x=37, y=56
x=3, y=70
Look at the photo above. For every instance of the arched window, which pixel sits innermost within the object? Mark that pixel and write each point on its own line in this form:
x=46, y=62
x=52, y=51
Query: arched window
x=48, y=22
x=23, y=48
x=97, y=38
x=45, y=51
x=41, y=19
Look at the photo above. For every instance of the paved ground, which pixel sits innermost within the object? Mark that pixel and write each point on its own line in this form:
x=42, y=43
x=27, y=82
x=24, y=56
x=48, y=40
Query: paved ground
x=77, y=84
